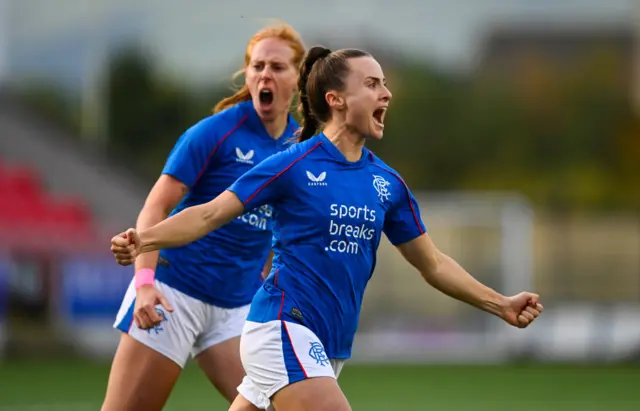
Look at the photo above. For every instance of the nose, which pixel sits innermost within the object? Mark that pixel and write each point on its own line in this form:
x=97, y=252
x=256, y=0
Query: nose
x=267, y=73
x=386, y=95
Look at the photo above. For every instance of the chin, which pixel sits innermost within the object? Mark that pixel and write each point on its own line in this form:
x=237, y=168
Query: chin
x=375, y=131
x=267, y=115
x=375, y=134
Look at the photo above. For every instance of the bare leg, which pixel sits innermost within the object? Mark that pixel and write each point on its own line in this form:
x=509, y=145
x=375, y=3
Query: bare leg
x=222, y=366
x=314, y=394
x=141, y=379
x=242, y=404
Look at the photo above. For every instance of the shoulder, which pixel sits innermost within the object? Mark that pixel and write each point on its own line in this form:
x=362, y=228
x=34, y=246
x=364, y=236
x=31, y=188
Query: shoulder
x=388, y=179
x=216, y=126
x=225, y=120
x=382, y=169
x=292, y=157
x=302, y=150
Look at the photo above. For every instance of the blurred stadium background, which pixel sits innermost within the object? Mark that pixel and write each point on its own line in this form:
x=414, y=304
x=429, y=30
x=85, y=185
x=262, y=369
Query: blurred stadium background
x=517, y=124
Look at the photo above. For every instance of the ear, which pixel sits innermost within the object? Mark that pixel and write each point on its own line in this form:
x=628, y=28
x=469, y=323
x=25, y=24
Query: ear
x=334, y=100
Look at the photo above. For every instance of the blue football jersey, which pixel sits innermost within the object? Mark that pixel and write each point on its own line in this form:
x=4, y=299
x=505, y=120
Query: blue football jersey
x=329, y=216
x=223, y=268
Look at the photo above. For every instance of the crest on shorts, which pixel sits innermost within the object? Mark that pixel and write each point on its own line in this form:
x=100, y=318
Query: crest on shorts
x=159, y=328
x=317, y=353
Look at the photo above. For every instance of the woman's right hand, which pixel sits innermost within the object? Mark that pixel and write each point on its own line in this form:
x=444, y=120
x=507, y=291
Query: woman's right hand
x=126, y=247
x=145, y=312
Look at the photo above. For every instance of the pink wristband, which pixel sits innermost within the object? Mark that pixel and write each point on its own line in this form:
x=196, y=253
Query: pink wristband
x=144, y=276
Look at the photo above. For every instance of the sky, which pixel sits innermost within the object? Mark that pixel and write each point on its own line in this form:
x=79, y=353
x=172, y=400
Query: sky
x=199, y=40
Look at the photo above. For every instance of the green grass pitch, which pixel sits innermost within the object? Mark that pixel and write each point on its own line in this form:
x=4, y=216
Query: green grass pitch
x=75, y=386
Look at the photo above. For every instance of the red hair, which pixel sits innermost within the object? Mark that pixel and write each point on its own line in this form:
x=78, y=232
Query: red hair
x=281, y=31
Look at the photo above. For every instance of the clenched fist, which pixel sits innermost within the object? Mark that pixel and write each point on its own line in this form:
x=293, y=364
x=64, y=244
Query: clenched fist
x=126, y=247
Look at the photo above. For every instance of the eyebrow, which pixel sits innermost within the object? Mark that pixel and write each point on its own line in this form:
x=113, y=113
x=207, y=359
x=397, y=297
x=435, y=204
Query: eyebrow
x=377, y=79
x=266, y=60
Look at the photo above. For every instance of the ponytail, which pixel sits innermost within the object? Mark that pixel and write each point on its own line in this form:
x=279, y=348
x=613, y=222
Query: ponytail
x=310, y=123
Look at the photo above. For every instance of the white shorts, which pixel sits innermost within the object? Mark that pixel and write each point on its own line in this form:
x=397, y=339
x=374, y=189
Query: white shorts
x=278, y=353
x=191, y=328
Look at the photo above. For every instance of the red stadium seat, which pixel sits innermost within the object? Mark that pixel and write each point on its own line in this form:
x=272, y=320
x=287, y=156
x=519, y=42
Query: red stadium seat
x=22, y=181
x=18, y=210
x=70, y=212
x=29, y=217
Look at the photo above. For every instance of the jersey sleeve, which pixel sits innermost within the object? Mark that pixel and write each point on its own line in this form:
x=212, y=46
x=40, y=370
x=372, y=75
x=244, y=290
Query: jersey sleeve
x=265, y=183
x=192, y=152
x=403, y=222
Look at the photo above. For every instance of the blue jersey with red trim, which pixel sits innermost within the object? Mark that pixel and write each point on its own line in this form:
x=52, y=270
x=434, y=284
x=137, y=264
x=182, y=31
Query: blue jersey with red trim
x=223, y=268
x=329, y=216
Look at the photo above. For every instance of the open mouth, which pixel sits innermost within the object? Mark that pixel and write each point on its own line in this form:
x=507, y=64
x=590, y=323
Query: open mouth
x=266, y=97
x=378, y=116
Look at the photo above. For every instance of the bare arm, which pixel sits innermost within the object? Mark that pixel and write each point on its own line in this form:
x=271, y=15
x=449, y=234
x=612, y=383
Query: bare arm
x=447, y=276
x=191, y=224
x=164, y=197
